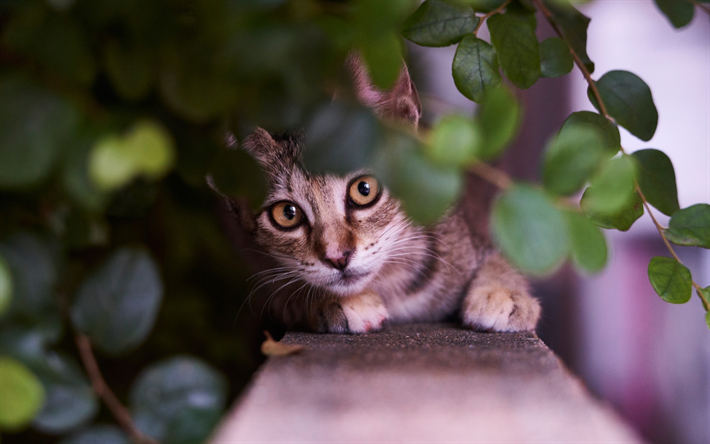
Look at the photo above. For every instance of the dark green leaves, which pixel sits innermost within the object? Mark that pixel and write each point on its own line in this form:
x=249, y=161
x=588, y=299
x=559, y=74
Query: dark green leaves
x=5, y=286
x=656, y=179
x=670, y=279
x=499, y=118
x=613, y=187
x=21, y=394
x=621, y=219
x=454, y=141
x=516, y=45
x=117, y=305
x=555, y=58
x=170, y=392
x=589, y=250
x=605, y=128
x=475, y=68
x=530, y=231
x=690, y=226
x=103, y=434
x=629, y=101
x=34, y=126
x=678, y=12
x=571, y=158
x=436, y=23
x=573, y=25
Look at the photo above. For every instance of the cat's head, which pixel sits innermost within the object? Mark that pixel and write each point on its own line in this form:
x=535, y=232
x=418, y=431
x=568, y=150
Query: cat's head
x=332, y=232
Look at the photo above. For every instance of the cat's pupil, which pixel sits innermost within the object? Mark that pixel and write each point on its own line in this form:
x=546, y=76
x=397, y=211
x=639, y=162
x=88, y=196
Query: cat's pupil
x=289, y=212
x=363, y=188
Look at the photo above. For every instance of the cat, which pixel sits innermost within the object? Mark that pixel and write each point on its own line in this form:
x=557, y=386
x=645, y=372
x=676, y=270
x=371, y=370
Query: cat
x=353, y=258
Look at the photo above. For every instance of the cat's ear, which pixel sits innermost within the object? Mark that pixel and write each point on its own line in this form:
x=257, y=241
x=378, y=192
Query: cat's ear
x=399, y=103
x=278, y=155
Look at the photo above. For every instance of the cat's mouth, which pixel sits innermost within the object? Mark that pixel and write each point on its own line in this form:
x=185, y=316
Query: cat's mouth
x=348, y=280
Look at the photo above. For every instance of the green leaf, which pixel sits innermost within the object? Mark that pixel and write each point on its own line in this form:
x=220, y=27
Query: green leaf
x=555, y=58
x=190, y=424
x=5, y=286
x=607, y=129
x=656, y=178
x=180, y=387
x=475, y=68
x=70, y=400
x=34, y=126
x=75, y=177
x=147, y=149
x=98, y=434
x=130, y=69
x=21, y=394
x=530, y=231
x=571, y=158
x=29, y=344
x=520, y=11
x=483, y=5
x=704, y=294
x=34, y=275
x=383, y=56
x=437, y=23
x=116, y=306
x=454, y=141
x=499, y=118
x=629, y=101
x=589, y=250
x=613, y=186
x=425, y=190
x=690, y=226
x=573, y=25
x=670, y=279
x=621, y=219
x=707, y=319
x=517, y=49
x=237, y=174
x=678, y=12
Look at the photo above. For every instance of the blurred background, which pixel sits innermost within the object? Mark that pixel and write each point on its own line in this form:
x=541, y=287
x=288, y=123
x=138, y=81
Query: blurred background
x=197, y=70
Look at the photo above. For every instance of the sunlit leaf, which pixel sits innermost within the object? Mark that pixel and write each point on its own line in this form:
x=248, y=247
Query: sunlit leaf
x=621, y=219
x=475, y=68
x=555, y=58
x=589, y=250
x=499, y=118
x=670, y=279
x=21, y=394
x=678, y=12
x=116, y=306
x=629, y=101
x=690, y=226
x=517, y=49
x=454, y=141
x=530, y=231
x=605, y=128
x=437, y=23
x=613, y=186
x=656, y=178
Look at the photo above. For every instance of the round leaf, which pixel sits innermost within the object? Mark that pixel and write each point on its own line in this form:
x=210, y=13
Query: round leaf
x=690, y=226
x=34, y=126
x=606, y=129
x=98, y=434
x=180, y=387
x=555, y=58
x=116, y=306
x=5, y=286
x=589, y=250
x=517, y=49
x=21, y=394
x=613, y=187
x=437, y=23
x=621, y=219
x=678, y=12
x=475, y=68
x=656, y=178
x=629, y=101
x=670, y=279
x=573, y=25
x=530, y=231
x=131, y=70
x=454, y=141
x=499, y=118
x=571, y=158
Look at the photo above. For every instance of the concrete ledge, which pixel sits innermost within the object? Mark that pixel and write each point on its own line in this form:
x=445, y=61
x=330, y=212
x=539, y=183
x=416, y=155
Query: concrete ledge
x=419, y=383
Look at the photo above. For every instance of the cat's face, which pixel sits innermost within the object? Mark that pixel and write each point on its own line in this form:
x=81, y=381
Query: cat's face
x=334, y=233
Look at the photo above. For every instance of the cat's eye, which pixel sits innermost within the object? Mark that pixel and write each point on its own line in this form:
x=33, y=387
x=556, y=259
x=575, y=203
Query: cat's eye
x=364, y=190
x=286, y=214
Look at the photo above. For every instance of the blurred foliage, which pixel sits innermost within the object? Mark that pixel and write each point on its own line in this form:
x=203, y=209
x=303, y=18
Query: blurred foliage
x=113, y=112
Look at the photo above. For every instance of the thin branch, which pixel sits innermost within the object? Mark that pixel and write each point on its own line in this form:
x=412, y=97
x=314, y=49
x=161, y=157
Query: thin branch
x=701, y=6
x=492, y=175
x=577, y=60
x=487, y=16
x=123, y=417
x=659, y=227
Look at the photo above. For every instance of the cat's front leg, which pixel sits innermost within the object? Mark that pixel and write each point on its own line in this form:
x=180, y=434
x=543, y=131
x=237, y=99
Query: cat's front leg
x=499, y=299
x=361, y=313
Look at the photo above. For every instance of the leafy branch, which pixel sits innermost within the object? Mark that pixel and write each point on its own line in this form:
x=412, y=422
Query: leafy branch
x=497, y=10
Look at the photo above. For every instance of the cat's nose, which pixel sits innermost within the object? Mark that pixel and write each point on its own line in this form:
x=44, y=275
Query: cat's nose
x=341, y=262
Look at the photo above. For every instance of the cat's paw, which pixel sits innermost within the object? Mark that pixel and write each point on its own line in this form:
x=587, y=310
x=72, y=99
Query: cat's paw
x=355, y=314
x=497, y=308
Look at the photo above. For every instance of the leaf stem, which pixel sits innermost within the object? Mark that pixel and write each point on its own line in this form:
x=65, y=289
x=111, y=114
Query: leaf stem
x=119, y=411
x=492, y=175
x=578, y=61
x=487, y=16
x=701, y=6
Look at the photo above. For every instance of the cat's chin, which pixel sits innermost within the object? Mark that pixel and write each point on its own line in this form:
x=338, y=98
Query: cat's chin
x=349, y=283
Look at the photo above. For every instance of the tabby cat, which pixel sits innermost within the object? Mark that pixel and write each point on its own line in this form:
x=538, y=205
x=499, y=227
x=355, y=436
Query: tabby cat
x=353, y=258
